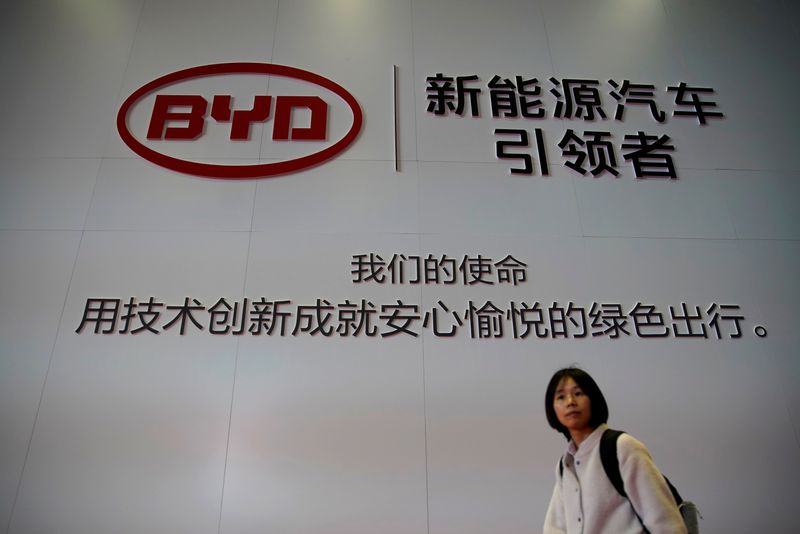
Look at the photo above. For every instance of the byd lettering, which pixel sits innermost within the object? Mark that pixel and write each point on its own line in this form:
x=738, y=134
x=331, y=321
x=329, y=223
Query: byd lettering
x=164, y=112
x=183, y=117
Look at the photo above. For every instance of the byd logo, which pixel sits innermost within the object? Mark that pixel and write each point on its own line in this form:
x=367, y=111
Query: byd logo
x=183, y=117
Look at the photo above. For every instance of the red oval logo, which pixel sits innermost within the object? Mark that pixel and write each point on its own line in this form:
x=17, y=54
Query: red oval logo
x=238, y=171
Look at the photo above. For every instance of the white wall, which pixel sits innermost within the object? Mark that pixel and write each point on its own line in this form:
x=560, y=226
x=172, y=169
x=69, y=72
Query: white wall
x=309, y=434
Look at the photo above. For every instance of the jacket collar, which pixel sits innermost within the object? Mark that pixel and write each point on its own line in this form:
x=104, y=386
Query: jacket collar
x=588, y=444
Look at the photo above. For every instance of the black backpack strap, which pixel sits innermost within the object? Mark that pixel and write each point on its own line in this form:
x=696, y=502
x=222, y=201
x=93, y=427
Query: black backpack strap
x=608, y=456
x=674, y=490
x=610, y=461
x=561, y=468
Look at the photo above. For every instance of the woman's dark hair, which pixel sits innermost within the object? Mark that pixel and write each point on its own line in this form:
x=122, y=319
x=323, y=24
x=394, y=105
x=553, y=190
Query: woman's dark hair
x=588, y=385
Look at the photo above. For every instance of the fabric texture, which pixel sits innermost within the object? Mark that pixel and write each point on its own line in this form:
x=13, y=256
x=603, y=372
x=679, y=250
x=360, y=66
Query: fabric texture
x=584, y=500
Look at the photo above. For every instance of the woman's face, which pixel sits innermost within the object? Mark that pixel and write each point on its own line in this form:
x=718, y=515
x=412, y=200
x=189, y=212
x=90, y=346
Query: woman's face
x=572, y=406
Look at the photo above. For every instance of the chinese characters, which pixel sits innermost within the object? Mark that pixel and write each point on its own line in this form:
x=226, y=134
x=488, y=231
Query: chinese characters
x=573, y=99
x=519, y=320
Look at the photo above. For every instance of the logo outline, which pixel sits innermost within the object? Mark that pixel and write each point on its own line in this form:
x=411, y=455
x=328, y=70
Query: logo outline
x=238, y=172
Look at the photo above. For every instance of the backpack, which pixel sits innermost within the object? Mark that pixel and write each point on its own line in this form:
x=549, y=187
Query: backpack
x=608, y=456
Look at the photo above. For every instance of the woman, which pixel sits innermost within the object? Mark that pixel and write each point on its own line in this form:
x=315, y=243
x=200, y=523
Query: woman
x=584, y=499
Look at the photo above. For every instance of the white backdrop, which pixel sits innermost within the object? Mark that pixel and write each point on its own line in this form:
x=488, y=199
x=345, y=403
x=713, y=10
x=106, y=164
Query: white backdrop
x=206, y=433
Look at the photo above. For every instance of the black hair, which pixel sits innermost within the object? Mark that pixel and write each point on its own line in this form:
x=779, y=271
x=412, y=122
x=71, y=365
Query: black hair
x=599, y=407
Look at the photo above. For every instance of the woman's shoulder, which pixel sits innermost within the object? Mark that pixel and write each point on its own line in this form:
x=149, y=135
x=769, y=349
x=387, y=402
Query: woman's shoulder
x=628, y=446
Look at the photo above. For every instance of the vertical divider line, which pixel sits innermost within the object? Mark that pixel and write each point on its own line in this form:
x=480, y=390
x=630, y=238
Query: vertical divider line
x=394, y=113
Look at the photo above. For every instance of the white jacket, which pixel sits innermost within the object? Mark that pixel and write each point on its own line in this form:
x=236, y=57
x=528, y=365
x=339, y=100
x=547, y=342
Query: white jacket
x=584, y=500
